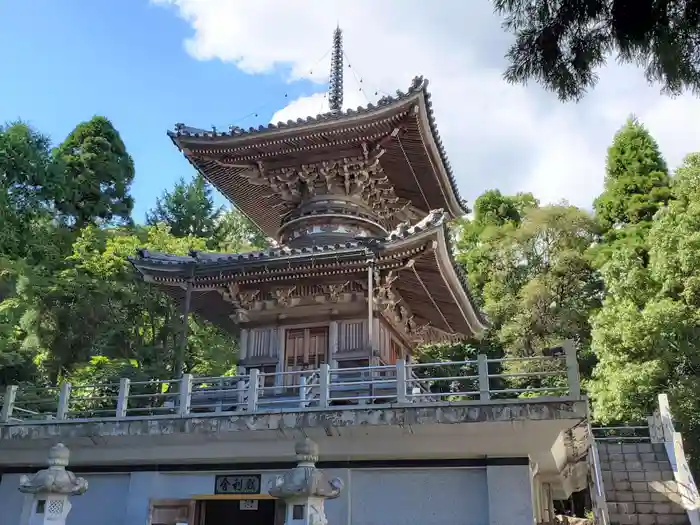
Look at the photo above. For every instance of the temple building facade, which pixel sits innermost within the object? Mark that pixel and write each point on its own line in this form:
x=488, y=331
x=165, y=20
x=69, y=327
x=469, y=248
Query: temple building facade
x=327, y=322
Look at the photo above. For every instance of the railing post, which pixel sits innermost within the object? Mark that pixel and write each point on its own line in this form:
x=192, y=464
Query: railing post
x=254, y=375
x=185, y=395
x=656, y=427
x=482, y=361
x=572, y=375
x=63, y=401
x=666, y=418
x=401, y=381
x=324, y=382
x=123, y=399
x=241, y=390
x=302, y=391
x=8, y=403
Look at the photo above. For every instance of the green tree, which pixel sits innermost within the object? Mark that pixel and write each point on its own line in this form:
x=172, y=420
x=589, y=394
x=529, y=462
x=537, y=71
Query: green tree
x=97, y=307
x=235, y=233
x=99, y=172
x=30, y=183
x=187, y=210
x=542, y=286
x=637, y=182
x=561, y=44
x=533, y=275
x=492, y=208
x=647, y=333
x=495, y=214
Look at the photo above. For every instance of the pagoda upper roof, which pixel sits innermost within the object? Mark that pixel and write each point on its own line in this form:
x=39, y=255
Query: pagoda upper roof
x=414, y=159
x=433, y=285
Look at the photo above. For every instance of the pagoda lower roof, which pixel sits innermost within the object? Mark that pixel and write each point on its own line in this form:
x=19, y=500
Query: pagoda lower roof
x=435, y=287
x=414, y=158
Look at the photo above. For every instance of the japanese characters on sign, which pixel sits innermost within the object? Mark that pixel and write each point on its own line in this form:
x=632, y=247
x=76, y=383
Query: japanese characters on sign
x=237, y=484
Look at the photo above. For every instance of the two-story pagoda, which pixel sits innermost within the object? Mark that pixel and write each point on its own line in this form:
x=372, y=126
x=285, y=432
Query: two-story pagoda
x=358, y=203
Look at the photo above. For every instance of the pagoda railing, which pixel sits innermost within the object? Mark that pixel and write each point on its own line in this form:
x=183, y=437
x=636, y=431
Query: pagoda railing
x=481, y=380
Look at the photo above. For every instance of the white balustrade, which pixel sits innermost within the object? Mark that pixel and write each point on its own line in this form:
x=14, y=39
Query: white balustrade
x=479, y=380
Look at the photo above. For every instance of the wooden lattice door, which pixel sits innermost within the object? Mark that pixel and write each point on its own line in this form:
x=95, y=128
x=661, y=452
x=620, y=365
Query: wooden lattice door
x=305, y=349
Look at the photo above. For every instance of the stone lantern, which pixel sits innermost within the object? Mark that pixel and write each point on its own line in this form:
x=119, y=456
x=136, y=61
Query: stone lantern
x=305, y=488
x=52, y=488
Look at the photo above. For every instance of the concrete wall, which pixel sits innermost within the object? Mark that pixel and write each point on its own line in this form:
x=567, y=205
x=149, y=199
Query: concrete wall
x=105, y=503
x=495, y=495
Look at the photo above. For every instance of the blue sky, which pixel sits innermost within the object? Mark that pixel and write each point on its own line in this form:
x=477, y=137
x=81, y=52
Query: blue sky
x=62, y=62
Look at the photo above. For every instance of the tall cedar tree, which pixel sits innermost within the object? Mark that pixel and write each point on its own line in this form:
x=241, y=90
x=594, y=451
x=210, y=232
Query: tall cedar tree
x=637, y=182
x=561, y=43
x=30, y=184
x=99, y=172
x=647, y=333
x=188, y=209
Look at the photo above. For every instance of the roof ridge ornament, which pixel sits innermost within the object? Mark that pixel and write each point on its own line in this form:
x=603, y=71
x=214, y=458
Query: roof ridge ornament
x=335, y=84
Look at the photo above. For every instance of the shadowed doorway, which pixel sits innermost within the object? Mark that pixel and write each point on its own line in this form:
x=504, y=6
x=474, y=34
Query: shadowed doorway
x=243, y=512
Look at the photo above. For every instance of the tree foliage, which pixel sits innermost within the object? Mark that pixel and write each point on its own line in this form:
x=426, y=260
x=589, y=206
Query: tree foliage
x=647, y=333
x=235, y=233
x=70, y=303
x=529, y=266
x=188, y=209
x=98, y=173
x=637, y=182
x=562, y=44
x=30, y=184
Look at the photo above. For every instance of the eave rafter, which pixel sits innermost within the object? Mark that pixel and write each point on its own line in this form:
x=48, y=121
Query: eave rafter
x=398, y=312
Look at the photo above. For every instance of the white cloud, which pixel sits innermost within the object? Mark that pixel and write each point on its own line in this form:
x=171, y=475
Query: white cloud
x=513, y=138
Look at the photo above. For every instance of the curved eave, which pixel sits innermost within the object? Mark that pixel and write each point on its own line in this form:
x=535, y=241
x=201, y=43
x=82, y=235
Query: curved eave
x=173, y=270
x=437, y=292
x=449, y=295
x=418, y=97
x=272, y=134
x=457, y=284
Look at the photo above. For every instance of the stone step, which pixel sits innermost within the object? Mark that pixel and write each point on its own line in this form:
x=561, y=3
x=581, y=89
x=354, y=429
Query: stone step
x=630, y=448
x=626, y=496
x=611, y=476
x=644, y=508
x=635, y=465
x=651, y=487
x=634, y=456
x=648, y=519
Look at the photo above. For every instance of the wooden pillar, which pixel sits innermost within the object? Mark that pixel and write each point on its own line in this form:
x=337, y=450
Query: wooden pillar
x=370, y=306
x=182, y=347
x=279, y=379
x=376, y=336
x=243, y=344
x=333, y=343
